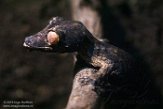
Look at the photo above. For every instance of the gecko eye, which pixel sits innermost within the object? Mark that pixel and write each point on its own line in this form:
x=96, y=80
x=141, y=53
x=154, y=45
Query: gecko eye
x=53, y=38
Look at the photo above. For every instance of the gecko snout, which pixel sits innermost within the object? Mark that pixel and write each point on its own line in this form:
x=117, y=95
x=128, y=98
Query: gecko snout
x=28, y=41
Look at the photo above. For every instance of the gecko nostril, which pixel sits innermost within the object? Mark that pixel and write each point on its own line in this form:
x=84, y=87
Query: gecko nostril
x=28, y=40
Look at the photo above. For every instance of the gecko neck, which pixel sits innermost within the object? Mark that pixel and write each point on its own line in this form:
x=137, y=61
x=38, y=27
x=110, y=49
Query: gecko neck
x=87, y=48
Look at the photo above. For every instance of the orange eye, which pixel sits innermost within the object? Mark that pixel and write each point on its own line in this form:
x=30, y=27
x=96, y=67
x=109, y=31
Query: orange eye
x=53, y=37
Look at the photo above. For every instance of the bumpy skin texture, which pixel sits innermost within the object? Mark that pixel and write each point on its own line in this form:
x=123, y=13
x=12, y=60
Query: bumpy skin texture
x=101, y=71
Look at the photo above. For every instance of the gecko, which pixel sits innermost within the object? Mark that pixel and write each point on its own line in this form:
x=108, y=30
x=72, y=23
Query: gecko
x=111, y=69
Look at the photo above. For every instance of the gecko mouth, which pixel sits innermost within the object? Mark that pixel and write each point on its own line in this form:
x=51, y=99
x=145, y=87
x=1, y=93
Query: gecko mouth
x=36, y=48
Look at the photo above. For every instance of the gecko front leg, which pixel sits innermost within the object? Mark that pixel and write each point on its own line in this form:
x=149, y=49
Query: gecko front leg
x=102, y=85
x=105, y=67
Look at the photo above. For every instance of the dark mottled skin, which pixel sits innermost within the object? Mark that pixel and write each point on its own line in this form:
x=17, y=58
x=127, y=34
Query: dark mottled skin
x=113, y=71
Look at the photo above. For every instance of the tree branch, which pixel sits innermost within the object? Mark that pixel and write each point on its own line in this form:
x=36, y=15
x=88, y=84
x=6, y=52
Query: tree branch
x=83, y=95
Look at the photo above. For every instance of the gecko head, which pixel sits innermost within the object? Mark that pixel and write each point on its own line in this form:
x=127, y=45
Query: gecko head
x=58, y=36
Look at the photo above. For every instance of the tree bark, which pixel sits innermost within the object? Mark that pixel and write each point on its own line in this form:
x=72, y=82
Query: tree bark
x=83, y=95
x=86, y=11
